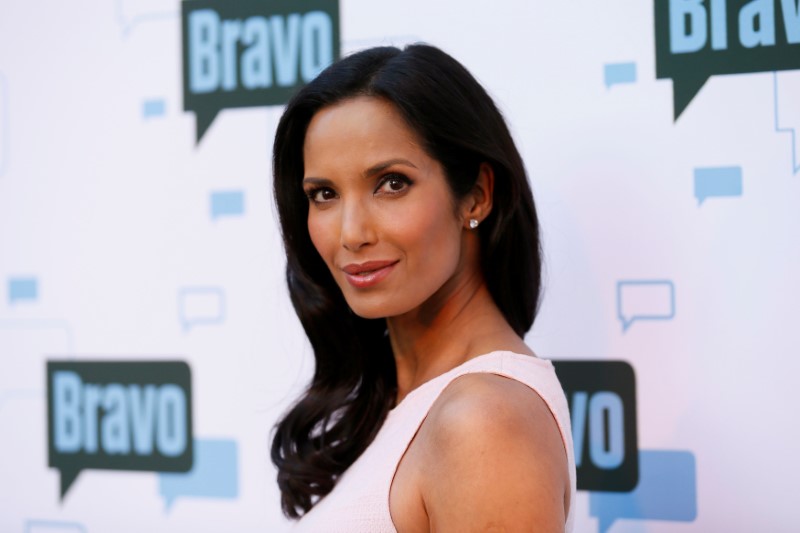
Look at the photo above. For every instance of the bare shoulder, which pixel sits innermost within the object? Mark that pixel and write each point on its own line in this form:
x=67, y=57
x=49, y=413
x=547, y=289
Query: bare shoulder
x=489, y=410
x=494, y=458
x=471, y=395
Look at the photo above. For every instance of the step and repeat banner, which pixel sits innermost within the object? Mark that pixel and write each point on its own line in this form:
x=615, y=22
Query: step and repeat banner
x=147, y=342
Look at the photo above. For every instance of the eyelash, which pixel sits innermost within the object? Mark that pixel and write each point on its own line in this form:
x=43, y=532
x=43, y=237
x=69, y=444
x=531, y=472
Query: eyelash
x=394, y=176
x=312, y=193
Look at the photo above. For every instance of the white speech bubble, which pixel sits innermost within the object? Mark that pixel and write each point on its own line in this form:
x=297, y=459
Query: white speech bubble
x=787, y=112
x=644, y=300
x=49, y=526
x=133, y=12
x=26, y=344
x=200, y=306
x=3, y=125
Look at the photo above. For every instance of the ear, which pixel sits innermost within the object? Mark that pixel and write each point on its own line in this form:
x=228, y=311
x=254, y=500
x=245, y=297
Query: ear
x=478, y=203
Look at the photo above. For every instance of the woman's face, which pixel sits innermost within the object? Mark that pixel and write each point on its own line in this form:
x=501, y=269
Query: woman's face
x=381, y=213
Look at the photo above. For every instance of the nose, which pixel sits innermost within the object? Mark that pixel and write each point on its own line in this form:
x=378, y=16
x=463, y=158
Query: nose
x=357, y=227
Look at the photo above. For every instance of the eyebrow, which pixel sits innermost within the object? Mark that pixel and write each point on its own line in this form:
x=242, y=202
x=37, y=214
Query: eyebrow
x=380, y=167
x=320, y=182
x=371, y=171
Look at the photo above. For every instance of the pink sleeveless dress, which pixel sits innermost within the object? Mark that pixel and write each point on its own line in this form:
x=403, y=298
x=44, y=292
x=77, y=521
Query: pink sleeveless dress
x=360, y=501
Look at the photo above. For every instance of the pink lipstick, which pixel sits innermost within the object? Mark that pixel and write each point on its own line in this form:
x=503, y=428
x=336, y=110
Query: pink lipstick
x=364, y=275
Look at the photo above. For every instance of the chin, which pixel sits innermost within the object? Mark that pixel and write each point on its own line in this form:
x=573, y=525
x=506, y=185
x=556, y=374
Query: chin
x=372, y=310
x=369, y=312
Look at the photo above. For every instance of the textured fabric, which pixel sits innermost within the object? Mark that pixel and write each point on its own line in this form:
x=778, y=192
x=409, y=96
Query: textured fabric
x=360, y=501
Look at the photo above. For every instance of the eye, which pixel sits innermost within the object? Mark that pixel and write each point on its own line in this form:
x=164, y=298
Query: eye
x=393, y=184
x=321, y=195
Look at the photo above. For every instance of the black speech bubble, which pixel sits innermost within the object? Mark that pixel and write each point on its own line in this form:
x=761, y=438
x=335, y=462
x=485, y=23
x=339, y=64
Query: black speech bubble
x=600, y=376
x=124, y=373
x=690, y=71
x=206, y=106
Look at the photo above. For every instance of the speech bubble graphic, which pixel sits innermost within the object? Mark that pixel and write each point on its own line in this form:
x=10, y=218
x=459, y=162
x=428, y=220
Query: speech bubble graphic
x=644, y=300
x=25, y=340
x=716, y=182
x=4, y=110
x=617, y=73
x=215, y=473
x=153, y=108
x=696, y=40
x=22, y=289
x=252, y=53
x=53, y=526
x=118, y=416
x=667, y=490
x=227, y=203
x=200, y=306
x=787, y=104
x=131, y=13
x=602, y=404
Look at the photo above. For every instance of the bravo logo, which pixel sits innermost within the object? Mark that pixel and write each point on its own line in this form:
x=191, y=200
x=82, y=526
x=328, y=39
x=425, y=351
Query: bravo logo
x=602, y=405
x=696, y=39
x=118, y=416
x=251, y=53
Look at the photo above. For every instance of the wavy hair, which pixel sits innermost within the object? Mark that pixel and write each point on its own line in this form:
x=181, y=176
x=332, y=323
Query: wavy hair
x=354, y=382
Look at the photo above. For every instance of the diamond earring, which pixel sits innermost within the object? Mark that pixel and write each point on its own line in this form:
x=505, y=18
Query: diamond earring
x=473, y=223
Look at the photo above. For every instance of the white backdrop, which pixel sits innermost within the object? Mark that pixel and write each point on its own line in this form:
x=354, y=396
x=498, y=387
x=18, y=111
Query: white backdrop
x=111, y=248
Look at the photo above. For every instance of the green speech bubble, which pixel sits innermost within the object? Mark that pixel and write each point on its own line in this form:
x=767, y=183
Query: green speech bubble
x=697, y=39
x=253, y=53
x=118, y=416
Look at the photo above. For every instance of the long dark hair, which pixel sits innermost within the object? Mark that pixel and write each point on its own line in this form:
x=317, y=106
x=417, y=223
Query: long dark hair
x=354, y=383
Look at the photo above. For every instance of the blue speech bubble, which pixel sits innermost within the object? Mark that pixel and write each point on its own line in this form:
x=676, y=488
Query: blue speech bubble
x=215, y=473
x=53, y=526
x=648, y=299
x=22, y=289
x=153, y=108
x=617, y=73
x=713, y=182
x=200, y=306
x=227, y=203
x=667, y=490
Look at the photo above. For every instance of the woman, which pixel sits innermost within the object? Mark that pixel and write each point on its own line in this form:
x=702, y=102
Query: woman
x=413, y=263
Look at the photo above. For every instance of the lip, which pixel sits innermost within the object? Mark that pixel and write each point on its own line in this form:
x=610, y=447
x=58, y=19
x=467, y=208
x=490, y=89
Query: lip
x=364, y=275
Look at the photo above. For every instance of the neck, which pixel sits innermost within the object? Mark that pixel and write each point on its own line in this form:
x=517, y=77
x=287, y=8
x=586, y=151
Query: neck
x=459, y=323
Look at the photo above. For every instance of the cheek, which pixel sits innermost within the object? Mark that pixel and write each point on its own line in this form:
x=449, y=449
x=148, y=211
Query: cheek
x=321, y=234
x=434, y=234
